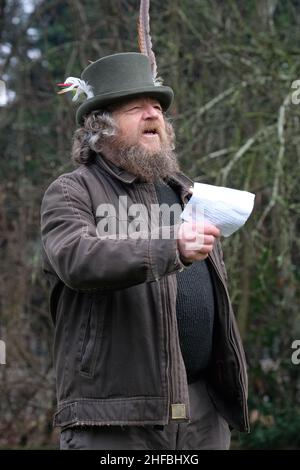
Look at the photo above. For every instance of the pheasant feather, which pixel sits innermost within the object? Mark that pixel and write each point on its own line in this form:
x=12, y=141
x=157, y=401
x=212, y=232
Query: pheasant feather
x=144, y=37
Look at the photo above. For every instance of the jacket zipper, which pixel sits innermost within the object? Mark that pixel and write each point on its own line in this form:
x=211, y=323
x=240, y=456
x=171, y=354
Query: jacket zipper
x=236, y=349
x=168, y=349
x=164, y=296
x=166, y=319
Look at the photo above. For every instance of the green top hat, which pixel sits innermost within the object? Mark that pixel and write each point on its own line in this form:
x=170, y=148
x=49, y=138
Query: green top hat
x=118, y=76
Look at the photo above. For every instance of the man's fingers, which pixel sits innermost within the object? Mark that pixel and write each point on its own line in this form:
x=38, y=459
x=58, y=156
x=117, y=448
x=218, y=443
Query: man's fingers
x=190, y=236
x=198, y=242
x=206, y=249
x=200, y=256
x=206, y=228
x=208, y=240
x=200, y=238
x=210, y=229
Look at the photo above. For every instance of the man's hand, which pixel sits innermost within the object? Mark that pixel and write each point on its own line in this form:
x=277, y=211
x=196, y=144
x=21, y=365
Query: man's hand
x=195, y=242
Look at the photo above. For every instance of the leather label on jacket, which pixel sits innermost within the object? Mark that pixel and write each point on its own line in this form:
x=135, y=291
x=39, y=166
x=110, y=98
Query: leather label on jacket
x=178, y=411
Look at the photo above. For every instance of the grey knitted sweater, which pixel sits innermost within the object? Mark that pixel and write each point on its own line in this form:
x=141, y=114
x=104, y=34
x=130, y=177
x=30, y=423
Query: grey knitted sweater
x=195, y=304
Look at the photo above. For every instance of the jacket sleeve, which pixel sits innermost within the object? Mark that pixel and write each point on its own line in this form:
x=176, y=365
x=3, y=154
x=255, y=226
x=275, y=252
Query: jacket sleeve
x=82, y=260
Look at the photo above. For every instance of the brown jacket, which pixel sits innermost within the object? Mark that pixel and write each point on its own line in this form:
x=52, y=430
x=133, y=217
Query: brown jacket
x=113, y=303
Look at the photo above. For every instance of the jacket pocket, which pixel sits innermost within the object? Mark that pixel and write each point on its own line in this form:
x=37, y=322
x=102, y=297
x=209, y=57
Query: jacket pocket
x=92, y=339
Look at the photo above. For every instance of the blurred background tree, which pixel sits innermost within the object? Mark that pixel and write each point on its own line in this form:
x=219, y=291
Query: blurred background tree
x=231, y=64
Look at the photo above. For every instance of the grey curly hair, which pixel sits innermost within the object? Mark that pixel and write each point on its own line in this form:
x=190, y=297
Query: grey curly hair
x=88, y=140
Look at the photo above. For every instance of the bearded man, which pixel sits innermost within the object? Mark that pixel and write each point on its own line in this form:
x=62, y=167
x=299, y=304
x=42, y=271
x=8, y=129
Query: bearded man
x=146, y=350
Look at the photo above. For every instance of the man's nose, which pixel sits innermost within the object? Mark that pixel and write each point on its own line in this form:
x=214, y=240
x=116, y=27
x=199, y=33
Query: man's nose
x=150, y=112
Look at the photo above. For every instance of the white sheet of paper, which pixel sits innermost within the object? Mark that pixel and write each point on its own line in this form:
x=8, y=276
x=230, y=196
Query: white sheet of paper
x=226, y=208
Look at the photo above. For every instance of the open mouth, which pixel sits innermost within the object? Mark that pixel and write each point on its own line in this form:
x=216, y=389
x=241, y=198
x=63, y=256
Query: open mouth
x=150, y=132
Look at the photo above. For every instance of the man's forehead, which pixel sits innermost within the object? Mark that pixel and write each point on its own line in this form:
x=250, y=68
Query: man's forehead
x=138, y=100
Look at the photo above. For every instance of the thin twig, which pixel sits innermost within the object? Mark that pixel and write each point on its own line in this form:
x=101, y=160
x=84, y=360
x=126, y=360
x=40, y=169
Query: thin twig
x=242, y=150
x=278, y=168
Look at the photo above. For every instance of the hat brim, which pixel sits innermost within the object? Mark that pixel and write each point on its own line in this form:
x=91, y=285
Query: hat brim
x=163, y=94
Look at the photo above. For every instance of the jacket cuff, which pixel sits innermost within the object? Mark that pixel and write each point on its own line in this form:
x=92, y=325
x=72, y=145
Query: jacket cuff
x=163, y=252
x=184, y=264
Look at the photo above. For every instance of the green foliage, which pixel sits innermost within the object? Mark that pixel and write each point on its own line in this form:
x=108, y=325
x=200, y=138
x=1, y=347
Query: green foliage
x=274, y=430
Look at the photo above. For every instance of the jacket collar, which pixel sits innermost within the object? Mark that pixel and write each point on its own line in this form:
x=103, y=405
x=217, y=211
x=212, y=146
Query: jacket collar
x=183, y=185
x=114, y=170
x=180, y=181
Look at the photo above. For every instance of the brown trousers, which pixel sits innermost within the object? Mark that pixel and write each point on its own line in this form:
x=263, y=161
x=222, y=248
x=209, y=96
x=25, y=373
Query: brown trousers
x=206, y=430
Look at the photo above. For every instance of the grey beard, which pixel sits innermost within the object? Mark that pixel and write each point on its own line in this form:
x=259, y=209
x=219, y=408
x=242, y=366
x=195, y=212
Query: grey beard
x=148, y=167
